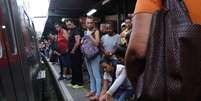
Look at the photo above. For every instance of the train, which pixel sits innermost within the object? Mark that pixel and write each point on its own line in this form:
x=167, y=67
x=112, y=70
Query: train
x=19, y=57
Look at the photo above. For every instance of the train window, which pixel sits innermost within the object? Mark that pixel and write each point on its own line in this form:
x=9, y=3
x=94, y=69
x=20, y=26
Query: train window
x=27, y=19
x=9, y=29
x=9, y=32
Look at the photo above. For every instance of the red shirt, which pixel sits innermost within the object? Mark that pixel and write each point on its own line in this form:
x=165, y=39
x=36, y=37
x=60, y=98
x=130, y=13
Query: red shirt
x=62, y=42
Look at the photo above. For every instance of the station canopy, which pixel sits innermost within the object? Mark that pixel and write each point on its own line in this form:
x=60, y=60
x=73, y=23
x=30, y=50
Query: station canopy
x=59, y=9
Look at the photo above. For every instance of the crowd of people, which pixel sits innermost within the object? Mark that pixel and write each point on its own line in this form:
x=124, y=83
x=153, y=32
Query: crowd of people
x=101, y=50
x=154, y=58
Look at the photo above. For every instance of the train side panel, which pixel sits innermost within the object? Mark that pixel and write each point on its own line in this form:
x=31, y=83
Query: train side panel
x=7, y=92
x=19, y=64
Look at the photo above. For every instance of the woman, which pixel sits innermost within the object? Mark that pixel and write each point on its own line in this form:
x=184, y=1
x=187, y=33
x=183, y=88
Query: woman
x=92, y=64
x=63, y=49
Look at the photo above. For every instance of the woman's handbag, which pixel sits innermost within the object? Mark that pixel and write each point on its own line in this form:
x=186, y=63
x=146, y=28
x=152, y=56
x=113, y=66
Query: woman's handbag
x=89, y=49
x=173, y=63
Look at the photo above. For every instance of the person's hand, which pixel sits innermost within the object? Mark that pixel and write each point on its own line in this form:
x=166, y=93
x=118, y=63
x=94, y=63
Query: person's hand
x=72, y=52
x=102, y=98
x=57, y=53
x=89, y=32
x=90, y=36
x=123, y=34
x=67, y=50
x=108, y=54
x=108, y=97
x=81, y=42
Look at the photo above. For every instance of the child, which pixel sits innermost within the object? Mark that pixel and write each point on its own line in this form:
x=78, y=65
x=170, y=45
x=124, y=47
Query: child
x=115, y=82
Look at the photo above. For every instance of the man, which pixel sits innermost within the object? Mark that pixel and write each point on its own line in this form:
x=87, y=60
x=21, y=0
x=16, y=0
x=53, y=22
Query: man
x=76, y=56
x=128, y=25
x=126, y=31
x=110, y=41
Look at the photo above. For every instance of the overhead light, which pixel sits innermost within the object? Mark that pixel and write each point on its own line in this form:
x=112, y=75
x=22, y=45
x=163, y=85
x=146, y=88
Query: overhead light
x=63, y=19
x=3, y=27
x=91, y=12
x=105, y=1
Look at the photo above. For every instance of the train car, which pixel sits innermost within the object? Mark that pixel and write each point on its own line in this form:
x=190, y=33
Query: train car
x=19, y=58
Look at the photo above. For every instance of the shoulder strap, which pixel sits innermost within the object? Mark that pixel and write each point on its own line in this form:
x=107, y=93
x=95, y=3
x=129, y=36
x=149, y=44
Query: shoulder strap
x=85, y=32
x=177, y=7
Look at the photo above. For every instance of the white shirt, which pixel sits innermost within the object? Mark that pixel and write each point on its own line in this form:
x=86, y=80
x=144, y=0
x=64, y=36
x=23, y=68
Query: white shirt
x=121, y=78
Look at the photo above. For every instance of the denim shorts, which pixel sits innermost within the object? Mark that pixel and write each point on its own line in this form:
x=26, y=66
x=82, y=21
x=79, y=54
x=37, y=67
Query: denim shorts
x=65, y=60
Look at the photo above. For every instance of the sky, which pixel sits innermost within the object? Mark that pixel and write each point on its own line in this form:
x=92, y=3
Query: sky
x=37, y=11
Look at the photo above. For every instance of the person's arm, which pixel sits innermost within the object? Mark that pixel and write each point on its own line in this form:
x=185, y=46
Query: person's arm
x=105, y=87
x=116, y=46
x=65, y=34
x=136, y=50
x=102, y=48
x=95, y=40
x=137, y=45
x=101, y=44
x=122, y=34
x=77, y=43
x=118, y=82
x=104, y=52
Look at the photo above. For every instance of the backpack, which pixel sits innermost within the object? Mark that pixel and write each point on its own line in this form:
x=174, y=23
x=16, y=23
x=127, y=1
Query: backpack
x=172, y=71
x=89, y=49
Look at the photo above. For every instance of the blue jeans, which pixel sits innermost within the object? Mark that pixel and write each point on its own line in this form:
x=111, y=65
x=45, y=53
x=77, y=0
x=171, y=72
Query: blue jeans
x=93, y=67
x=125, y=94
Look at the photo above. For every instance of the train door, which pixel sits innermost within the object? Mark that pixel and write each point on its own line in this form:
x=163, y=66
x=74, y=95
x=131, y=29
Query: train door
x=12, y=55
x=7, y=92
x=25, y=50
x=6, y=84
x=26, y=39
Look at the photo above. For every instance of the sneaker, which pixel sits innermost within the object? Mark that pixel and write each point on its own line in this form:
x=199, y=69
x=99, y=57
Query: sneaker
x=77, y=86
x=61, y=78
x=70, y=85
x=68, y=78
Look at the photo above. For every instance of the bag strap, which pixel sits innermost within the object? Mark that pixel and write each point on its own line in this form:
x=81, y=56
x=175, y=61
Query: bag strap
x=93, y=33
x=177, y=6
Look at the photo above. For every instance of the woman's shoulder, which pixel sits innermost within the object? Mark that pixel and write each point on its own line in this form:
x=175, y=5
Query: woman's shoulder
x=147, y=6
x=96, y=30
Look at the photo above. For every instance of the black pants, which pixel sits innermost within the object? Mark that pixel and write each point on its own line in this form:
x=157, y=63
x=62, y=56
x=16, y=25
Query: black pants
x=54, y=58
x=61, y=67
x=76, y=60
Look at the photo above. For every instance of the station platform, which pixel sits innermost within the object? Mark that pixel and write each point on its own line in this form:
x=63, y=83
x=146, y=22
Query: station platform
x=68, y=93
